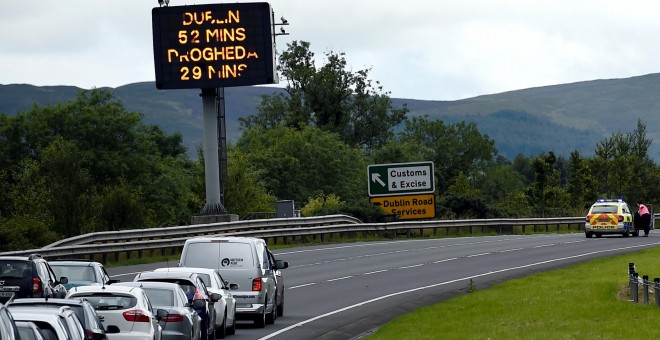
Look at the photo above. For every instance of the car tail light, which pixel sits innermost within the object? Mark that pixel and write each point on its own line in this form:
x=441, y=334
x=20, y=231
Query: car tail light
x=198, y=295
x=37, y=287
x=256, y=285
x=136, y=315
x=89, y=334
x=173, y=317
x=588, y=218
x=620, y=218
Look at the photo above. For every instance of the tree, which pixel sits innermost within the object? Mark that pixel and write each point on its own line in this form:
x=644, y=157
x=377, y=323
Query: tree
x=545, y=194
x=246, y=191
x=453, y=148
x=301, y=163
x=581, y=185
x=329, y=97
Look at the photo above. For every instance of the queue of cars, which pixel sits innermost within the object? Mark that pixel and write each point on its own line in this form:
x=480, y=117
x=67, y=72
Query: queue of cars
x=77, y=300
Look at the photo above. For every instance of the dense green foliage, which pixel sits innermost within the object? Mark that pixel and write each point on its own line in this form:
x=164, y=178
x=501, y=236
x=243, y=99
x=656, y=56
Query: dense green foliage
x=91, y=165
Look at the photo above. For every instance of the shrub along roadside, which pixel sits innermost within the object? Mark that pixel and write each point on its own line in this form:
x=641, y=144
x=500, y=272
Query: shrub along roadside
x=583, y=301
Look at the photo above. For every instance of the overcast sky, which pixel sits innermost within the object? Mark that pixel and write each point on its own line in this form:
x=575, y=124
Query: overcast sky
x=431, y=50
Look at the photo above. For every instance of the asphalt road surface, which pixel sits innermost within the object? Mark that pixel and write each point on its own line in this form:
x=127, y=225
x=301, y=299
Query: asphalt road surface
x=346, y=291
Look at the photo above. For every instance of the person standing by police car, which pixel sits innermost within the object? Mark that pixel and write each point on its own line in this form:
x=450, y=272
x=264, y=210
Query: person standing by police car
x=644, y=216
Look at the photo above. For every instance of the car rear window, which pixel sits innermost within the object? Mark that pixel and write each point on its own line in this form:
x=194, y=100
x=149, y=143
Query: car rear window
x=13, y=268
x=160, y=297
x=75, y=273
x=605, y=209
x=187, y=286
x=108, y=301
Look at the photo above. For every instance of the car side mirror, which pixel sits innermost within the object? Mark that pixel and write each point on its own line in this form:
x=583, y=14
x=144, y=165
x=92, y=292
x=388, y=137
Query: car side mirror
x=215, y=297
x=112, y=329
x=279, y=264
x=233, y=286
x=161, y=313
x=64, y=280
x=198, y=304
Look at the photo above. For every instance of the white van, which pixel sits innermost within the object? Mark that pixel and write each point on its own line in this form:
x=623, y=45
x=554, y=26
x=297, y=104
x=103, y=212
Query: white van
x=248, y=262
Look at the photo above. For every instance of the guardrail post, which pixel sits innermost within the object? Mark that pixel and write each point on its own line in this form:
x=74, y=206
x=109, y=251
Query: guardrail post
x=656, y=291
x=633, y=288
x=645, y=281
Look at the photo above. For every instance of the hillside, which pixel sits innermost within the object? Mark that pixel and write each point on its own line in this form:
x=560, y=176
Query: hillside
x=558, y=118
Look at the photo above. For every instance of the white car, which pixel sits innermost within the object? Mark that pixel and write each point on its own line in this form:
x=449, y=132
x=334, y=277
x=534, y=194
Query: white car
x=225, y=308
x=125, y=308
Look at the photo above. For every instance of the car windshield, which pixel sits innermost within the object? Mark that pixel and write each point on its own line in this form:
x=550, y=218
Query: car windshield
x=604, y=209
x=75, y=273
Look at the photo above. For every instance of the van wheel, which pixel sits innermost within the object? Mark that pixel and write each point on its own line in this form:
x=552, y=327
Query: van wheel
x=280, y=309
x=221, y=332
x=260, y=320
x=272, y=316
x=232, y=330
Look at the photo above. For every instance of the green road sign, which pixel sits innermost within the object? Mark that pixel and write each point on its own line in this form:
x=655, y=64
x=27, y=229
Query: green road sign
x=400, y=179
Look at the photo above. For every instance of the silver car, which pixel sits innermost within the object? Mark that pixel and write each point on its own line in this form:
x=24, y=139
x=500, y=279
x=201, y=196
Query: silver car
x=28, y=330
x=225, y=308
x=126, y=309
x=181, y=322
x=54, y=324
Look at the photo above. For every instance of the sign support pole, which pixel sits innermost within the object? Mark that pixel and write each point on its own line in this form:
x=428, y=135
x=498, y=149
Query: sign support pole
x=211, y=162
x=222, y=142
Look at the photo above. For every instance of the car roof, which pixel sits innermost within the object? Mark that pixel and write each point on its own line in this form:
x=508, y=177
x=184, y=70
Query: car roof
x=243, y=239
x=74, y=263
x=54, y=301
x=148, y=284
x=185, y=269
x=168, y=275
x=108, y=288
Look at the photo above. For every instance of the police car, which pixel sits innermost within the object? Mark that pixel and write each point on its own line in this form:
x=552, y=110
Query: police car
x=607, y=216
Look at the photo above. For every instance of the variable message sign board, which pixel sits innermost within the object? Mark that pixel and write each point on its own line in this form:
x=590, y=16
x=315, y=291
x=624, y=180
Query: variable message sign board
x=400, y=179
x=213, y=45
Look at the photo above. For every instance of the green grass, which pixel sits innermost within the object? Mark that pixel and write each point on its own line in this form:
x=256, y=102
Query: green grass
x=584, y=301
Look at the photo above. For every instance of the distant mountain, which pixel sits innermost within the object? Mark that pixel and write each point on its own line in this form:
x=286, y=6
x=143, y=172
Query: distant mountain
x=559, y=118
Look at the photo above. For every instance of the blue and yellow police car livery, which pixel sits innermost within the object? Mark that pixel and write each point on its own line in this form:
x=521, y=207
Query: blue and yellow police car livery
x=609, y=217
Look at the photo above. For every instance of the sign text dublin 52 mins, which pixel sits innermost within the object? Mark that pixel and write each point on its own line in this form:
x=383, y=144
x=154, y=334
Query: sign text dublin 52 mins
x=214, y=45
x=400, y=179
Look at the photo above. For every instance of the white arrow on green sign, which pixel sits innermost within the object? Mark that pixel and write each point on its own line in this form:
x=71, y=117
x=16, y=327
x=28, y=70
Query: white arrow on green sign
x=400, y=179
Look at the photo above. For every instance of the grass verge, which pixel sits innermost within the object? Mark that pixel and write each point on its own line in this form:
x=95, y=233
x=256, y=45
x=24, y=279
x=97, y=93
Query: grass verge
x=585, y=301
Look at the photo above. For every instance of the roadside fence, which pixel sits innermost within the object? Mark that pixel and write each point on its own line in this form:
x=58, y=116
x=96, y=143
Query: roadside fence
x=636, y=282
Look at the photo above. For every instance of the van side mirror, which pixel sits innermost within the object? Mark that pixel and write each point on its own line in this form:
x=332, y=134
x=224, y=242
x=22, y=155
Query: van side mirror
x=279, y=264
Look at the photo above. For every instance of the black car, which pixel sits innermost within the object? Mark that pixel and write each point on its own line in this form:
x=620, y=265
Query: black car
x=26, y=277
x=84, y=311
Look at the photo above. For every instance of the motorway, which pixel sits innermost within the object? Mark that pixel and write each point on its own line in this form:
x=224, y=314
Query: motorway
x=344, y=291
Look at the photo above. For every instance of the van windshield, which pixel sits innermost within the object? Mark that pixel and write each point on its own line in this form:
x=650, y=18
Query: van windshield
x=218, y=255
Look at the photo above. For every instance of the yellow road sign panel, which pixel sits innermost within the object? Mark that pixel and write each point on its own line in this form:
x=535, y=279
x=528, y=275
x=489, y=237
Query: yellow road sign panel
x=410, y=207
